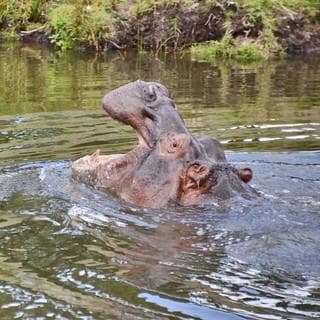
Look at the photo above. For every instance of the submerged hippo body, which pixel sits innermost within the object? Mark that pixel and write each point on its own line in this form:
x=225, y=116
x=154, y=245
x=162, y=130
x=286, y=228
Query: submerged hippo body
x=168, y=165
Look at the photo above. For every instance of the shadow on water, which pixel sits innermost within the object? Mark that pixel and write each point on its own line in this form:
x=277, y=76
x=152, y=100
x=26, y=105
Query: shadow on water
x=69, y=252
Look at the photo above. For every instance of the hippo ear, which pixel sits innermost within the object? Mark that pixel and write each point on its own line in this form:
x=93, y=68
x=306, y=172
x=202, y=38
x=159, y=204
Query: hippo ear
x=197, y=175
x=245, y=174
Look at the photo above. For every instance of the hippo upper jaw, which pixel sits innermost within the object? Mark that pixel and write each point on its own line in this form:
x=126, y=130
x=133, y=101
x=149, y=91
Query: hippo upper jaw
x=146, y=107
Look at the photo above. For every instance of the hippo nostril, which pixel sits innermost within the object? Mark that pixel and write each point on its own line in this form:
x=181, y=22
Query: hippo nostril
x=196, y=167
x=174, y=144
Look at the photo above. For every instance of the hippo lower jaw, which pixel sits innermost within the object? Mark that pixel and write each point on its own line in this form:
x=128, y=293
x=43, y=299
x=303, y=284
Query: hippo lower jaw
x=119, y=174
x=98, y=171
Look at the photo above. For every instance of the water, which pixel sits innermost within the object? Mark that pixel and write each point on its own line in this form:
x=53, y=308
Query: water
x=67, y=252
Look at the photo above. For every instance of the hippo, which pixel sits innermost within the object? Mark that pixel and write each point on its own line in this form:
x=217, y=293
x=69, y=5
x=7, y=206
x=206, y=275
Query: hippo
x=168, y=165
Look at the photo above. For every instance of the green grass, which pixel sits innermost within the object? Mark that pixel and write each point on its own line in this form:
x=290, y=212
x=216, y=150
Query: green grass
x=258, y=13
x=144, y=6
x=213, y=50
x=226, y=49
x=309, y=7
x=73, y=22
x=248, y=53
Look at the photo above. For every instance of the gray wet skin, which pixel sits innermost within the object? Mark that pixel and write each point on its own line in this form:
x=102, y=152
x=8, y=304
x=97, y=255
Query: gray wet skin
x=168, y=165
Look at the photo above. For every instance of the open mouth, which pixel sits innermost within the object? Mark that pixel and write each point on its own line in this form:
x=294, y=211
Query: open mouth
x=147, y=136
x=146, y=107
x=144, y=141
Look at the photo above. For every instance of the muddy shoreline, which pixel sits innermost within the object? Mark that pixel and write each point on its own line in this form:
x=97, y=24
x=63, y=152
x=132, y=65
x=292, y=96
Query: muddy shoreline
x=173, y=26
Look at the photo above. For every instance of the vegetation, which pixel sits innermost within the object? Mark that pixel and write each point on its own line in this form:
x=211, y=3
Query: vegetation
x=263, y=8
x=258, y=13
x=68, y=24
x=16, y=14
x=226, y=49
x=73, y=23
x=141, y=7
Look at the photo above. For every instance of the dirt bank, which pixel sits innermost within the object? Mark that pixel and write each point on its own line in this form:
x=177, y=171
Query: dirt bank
x=175, y=24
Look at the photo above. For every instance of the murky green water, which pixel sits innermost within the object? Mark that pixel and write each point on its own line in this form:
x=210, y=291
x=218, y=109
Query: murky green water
x=67, y=252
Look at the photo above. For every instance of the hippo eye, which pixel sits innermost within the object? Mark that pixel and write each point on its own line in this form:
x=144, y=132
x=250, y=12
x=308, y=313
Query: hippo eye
x=173, y=146
x=176, y=144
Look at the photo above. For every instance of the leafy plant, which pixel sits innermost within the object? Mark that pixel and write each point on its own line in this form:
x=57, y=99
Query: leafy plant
x=19, y=12
x=75, y=23
x=63, y=19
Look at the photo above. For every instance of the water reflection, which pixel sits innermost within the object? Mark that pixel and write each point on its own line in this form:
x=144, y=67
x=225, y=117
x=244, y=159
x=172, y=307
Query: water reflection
x=212, y=99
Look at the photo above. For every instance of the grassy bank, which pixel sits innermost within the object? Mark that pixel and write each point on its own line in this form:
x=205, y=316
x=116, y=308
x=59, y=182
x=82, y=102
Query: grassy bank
x=244, y=30
x=262, y=23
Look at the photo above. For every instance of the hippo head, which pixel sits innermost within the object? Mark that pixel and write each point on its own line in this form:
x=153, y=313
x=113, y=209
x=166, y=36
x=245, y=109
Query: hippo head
x=147, y=107
x=168, y=165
